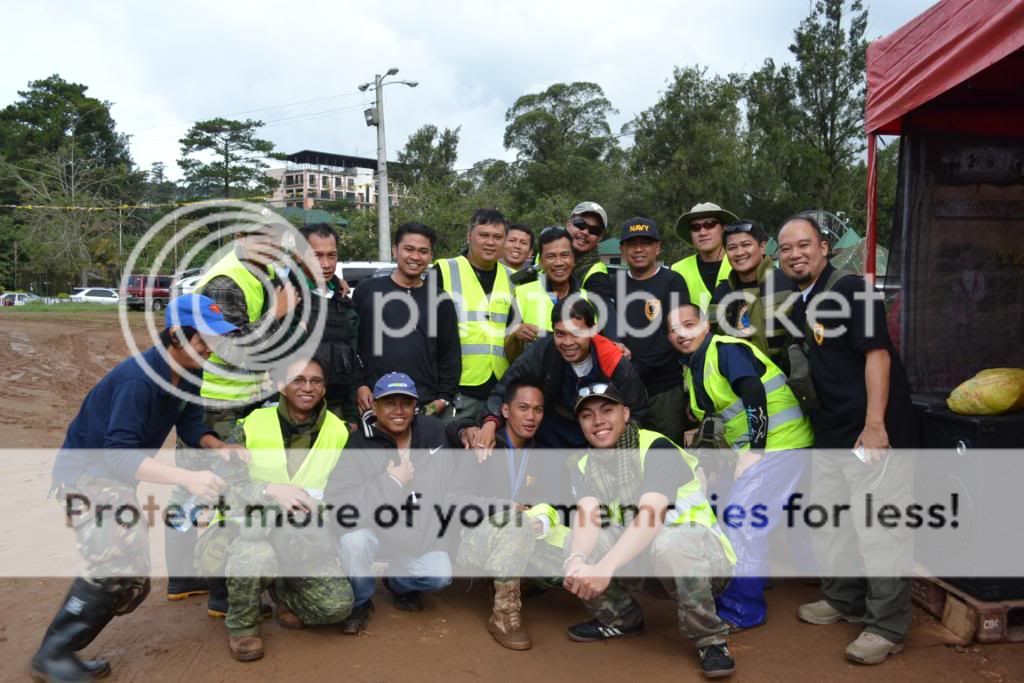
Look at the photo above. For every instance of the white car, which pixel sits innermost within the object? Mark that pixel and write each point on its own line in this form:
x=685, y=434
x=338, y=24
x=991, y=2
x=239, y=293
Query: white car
x=96, y=295
x=186, y=285
x=17, y=299
x=355, y=272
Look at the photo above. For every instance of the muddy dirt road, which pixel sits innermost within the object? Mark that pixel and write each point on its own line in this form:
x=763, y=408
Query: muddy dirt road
x=48, y=361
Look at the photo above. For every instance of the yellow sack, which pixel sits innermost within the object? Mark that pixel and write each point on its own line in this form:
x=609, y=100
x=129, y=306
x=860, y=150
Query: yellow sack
x=991, y=392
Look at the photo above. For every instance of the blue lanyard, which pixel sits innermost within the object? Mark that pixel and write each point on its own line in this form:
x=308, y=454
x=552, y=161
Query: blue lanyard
x=515, y=478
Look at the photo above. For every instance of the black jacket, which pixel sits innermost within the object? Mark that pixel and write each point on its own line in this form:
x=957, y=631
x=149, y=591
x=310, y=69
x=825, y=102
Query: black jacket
x=541, y=364
x=361, y=480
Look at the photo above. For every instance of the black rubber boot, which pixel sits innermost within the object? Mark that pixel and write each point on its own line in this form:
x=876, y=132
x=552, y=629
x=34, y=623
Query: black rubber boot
x=86, y=611
x=179, y=549
x=217, y=604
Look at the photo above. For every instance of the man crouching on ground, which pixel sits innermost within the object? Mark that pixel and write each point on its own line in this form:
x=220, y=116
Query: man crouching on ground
x=396, y=462
x=523, y=537
x=656, y=517
x=295, y=447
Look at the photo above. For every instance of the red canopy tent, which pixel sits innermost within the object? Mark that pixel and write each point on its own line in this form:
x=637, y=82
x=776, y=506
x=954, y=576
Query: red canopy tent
x=958, y=68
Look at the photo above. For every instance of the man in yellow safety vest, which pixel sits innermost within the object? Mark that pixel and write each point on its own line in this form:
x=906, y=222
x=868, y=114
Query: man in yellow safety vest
x=479, y=286
x=295, y=446
x=703, y=226
x=732, y=380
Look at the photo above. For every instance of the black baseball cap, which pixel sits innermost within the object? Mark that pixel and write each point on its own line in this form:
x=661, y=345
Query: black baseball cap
x=639, y=227
x=605, y=390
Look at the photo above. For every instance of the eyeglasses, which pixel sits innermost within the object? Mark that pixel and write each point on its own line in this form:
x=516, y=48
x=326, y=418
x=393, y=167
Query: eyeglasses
x=581, y=223
x=697, y=226
x=315, y=382
x=593, y=390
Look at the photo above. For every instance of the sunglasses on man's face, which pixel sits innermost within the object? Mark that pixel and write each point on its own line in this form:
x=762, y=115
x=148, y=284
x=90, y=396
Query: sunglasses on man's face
x=595, y=230
x=711, y=224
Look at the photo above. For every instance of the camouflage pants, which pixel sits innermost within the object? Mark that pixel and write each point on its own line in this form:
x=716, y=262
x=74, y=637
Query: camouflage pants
x=220, y=421
x=506, y=548
x=111, y=538
x=252, y=567
x=691, y=566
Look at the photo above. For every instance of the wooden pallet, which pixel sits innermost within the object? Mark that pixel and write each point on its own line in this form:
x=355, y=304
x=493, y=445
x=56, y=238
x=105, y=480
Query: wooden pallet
x=967, y=616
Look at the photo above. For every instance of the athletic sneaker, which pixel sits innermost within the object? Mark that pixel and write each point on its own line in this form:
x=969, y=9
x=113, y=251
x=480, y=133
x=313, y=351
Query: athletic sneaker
x=715, y=661
x=594, y=630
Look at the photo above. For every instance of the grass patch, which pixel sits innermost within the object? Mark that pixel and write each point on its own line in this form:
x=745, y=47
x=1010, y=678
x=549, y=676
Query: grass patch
x=35, y=307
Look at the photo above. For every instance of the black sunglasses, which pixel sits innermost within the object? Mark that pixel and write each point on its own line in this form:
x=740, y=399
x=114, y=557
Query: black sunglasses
x=595, y=230
x=734, y=228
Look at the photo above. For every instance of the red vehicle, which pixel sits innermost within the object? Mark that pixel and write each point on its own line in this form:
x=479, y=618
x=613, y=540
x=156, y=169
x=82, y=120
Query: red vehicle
x=136, y=287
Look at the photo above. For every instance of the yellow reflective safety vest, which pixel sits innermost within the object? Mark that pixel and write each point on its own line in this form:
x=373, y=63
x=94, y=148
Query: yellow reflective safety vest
x=699, y=294
x=263, y=438
x=224, y=387
x=598, y=267
x=535, y=302
x=482, y=319
x=788, y=427
x=691, y=506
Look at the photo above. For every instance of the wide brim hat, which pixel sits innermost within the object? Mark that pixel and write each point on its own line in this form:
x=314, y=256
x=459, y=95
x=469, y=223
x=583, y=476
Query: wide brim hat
x=702, y=210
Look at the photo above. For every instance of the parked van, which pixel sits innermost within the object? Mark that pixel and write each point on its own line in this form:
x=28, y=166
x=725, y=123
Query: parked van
x=135, y=287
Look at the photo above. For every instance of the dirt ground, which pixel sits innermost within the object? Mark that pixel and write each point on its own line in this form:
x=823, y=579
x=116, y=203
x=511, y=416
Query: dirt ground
x=48, y=361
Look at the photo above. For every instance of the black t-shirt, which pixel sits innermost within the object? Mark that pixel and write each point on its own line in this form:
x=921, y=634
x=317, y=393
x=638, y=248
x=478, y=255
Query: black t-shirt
x=664, y=472
x=432, y=361
x=654, y=358
x=837, y=365
x=709, y=272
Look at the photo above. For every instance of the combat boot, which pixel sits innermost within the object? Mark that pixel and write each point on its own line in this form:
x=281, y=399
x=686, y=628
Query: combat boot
x=246, y=648
x=284, y=617
x=506, y=622
x=87, y=609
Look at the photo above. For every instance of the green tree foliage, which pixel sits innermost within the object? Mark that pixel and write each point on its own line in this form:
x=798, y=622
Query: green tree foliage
x=53, y=110
x=74, y=243
x=831, y=54
x=563, y=144
x=687, y=148
x=236, y=168
x=428, y=156
x=158, y=189
x=60, y=148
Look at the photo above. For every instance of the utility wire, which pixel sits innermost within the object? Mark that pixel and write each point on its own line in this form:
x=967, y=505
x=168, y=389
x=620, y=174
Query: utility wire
x=250, y=111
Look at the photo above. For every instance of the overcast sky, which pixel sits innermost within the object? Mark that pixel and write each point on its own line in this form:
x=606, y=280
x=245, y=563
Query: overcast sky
x=163, y=65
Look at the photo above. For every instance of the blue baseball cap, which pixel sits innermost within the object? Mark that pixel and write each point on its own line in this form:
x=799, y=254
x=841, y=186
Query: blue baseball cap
x=395, y=383
x=199, y=312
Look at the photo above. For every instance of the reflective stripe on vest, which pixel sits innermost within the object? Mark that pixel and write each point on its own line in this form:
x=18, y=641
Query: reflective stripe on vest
x=269, y=463
x=788, y=427
x=225, y=387
x=535, y=303
x=482, y=319
x=699, y=294
x=690, y=506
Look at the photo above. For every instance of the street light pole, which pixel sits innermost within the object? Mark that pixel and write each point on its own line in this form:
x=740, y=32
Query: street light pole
x=375, y=117
x=383, y=205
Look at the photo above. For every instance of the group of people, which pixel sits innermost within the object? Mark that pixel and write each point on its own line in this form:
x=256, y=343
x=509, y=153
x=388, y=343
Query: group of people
x=523, y=377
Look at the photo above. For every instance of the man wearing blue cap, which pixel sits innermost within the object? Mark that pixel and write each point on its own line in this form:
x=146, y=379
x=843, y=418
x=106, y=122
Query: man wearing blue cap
x=123, y=422
x=396, y=463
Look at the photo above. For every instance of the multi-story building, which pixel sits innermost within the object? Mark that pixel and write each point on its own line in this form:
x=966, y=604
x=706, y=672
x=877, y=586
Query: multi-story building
x=312, y=177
